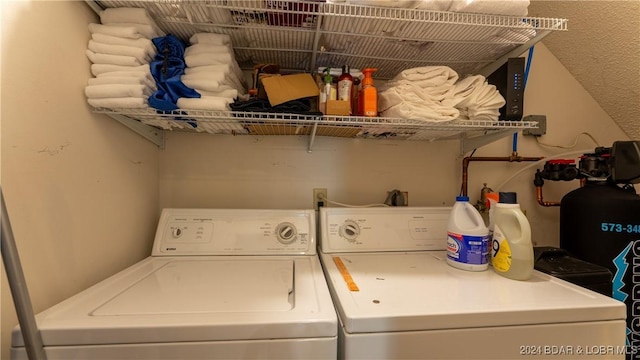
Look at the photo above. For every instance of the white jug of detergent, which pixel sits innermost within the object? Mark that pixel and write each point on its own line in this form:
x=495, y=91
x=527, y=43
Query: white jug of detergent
x=467, y=237
x=511, y=247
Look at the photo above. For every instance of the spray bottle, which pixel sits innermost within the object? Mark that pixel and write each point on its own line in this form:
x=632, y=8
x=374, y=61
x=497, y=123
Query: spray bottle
x=368, y=99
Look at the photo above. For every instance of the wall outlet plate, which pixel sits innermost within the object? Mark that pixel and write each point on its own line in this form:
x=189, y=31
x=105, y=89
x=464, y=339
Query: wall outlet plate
x=319, y=198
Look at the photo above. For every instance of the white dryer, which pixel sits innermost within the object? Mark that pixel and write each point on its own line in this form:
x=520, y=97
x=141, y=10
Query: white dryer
x=220, y=284
x=397, y=298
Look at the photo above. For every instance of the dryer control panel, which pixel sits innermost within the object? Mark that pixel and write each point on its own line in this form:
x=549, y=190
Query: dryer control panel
x=383, y=229
x=235, y=232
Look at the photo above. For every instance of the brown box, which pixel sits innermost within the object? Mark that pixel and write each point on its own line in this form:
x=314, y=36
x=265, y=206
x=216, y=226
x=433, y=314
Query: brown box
x=338, y=107
x=281, y=89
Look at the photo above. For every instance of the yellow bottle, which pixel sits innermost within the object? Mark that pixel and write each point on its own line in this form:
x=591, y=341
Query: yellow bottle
x=368, y=97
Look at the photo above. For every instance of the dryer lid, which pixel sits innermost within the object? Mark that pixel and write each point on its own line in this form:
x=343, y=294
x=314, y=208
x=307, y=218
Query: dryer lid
x=208, y=286
x=196, y=298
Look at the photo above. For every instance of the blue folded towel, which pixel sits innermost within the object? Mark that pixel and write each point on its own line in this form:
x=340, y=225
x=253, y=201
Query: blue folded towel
x=167, y=67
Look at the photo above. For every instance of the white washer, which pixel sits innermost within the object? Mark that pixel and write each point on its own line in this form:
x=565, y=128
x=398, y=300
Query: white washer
x=220, y=284
x=397, y=298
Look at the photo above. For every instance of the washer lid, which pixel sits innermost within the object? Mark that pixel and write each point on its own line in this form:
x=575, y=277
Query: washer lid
x=207, y=286
x=419, y=291
x=196, y=298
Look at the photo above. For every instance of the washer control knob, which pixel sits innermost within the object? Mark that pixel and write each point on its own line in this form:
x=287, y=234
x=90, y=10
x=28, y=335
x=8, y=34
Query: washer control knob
x=176, y=232
x=286, y=233
x=350, y=230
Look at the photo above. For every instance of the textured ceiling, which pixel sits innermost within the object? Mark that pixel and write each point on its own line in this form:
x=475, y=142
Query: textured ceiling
x=602, y=51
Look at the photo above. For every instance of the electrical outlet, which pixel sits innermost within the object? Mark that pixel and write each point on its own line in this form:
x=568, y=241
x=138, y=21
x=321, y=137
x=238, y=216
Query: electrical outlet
x=319, y=198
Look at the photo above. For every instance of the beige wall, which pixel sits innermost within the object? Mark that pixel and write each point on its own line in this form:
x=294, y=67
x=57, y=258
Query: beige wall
x=199, y=170
x=81, y=190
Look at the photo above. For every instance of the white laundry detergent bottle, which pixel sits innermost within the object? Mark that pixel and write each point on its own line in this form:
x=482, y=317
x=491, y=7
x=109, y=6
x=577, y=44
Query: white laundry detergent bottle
x=467, y=237
x=511, y=247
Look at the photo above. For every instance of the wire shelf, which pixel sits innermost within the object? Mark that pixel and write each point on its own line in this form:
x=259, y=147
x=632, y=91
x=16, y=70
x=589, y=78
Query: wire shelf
x=305, y=35
x=257, y=123
x=302, y=36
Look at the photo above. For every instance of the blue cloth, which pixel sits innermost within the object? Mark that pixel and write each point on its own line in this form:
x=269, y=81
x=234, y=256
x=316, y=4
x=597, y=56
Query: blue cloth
x=167, y=67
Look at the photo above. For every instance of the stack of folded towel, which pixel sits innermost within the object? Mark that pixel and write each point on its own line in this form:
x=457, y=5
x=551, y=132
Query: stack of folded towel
x=419, y=94
x=213, y=72
x=120, y=50
x=476, y=99
x=434, y=94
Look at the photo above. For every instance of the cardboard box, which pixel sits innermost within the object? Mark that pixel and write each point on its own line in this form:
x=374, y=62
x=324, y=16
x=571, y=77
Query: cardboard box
x=338, y=107
x=281, y=89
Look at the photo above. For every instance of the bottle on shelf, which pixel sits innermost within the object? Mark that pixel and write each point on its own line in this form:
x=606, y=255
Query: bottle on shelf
x=325, y=91
x=345, y=86
x=368, y=97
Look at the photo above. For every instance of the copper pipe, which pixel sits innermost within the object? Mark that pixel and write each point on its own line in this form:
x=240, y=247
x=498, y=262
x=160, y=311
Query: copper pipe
x=465, y=165
x=541, y=201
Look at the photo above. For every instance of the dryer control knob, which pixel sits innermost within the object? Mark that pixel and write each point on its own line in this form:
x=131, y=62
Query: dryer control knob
x=350, y=230
x=286, y=233
x=176, y=232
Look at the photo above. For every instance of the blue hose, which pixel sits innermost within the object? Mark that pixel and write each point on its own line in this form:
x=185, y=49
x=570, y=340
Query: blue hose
x=514, y=147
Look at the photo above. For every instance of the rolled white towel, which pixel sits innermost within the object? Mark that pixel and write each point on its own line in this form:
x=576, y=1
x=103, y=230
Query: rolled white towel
x=210, y=38
x=128, y=32
x=123, y=102
x=208, y=59
x=417, y=111
x=463, y=90
x=205, y=103
x=220, y=77
x=432, y=93
x=429, y=75
x=147, y=31
x=398, y=94
x=475, y=91
x=136, y=52
x=207, y=49
x=142, y=43
x=123, y=80
x=126, y=15
x=122, y=60
x=479, y=114
x=206, y=85
x=488, y=97
x=142, y=74
x=137, y=17
x=99, y=69
x=117, y=91
x=226, y=68
x=229, y=93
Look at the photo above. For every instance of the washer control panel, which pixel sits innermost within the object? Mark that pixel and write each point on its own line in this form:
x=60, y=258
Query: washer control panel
x=383, y=229
x=237, y=232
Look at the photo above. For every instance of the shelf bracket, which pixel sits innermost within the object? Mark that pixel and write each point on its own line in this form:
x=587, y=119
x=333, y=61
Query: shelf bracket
x=312, y=137
x=150, y=133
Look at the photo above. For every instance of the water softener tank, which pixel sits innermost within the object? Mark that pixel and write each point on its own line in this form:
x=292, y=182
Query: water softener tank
x=598, y=221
